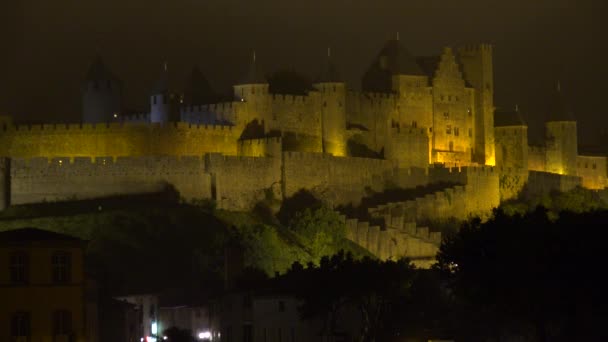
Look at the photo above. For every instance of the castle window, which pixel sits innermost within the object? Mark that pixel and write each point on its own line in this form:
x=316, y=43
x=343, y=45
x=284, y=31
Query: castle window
x=469, y=111
x=154, y=99
x=448, y=130
x=431, y=129
x=457, y=99
x=62, y=267
x=593, y=166
x=449, y=97
x=253, y=90
x=325, y=104
x=586, y=165
x=456, y=132
x=334, y=88
x=446, y=115
x=441, y=97
x=414, y=124
x=19, y=267
x=451, y=146
x=470, y=132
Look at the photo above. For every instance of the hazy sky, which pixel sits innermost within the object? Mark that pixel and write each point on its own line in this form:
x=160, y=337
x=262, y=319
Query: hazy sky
x=48, y=45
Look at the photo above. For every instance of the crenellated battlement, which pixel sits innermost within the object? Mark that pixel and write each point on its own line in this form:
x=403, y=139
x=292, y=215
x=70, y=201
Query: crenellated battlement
x=409, y=130
x=290, y=99
x=108, y=127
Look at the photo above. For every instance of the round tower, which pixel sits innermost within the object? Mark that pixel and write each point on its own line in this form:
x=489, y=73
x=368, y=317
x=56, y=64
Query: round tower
x=333, y=113
x=101, y=95
x=561, y=136
x=164, y=105
x=253, y=91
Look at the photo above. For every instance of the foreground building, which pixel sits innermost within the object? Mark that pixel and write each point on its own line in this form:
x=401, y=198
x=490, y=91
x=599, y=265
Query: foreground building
x=44, y=292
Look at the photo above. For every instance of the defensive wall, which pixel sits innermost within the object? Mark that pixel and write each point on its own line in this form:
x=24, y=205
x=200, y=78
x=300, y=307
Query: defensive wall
x=264, y=147
x=116, y=140
x=417, y=243
x=409, y=147
x=39, y=180
x=540, y=183
x=593, y=171
x=337, y=180
x=211, y=114
x=238, y=183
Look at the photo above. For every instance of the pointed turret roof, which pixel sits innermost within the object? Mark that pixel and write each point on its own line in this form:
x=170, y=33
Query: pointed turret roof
x=198, y=89
x=162, y=84
x=329, y=72
x=559, y=108
x=509, y=117
x=99, y=72
x=399, y=61
x=254, y=74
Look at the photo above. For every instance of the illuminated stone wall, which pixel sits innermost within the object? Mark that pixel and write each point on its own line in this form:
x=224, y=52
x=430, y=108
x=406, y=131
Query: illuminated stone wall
x=409, y=147
x=478, y=67
x=116, y=140
x=41, y=180
x=593, y=171
x=562, y=145
x=238, y=183
x=541, y=183
x=398, y=240
x=337, y=180
x=265, y=147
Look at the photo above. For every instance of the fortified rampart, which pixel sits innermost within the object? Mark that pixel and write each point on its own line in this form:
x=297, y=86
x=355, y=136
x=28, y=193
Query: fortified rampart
x=334, y=179
x=59, y=179
x=540, y=183
x=593, y=170
x=238, y=183
x=417, y=153
x=116, y=140
x=264, y=147
x=417, y=243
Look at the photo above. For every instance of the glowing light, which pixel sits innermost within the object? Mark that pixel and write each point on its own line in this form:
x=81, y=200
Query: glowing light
x=205, y=335
x=164, y=337
x=150, y=339
x=154, y=328
x=60, y=162
x=115, y=115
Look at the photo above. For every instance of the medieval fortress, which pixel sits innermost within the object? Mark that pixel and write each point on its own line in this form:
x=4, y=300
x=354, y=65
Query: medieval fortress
x=417, y=121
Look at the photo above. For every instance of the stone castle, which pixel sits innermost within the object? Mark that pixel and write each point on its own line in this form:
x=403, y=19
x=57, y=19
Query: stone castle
x=417, y=121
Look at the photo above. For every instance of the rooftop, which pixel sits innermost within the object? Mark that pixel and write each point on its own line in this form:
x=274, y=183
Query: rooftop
x=34, y=234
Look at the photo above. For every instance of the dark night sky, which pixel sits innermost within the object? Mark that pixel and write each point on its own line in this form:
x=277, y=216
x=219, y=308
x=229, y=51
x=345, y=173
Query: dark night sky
x=48, y=45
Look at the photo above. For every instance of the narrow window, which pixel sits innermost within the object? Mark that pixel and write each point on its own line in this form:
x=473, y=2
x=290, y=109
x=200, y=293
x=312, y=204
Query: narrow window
x=451, y=146
x=62, y=267
x=446, y=115
x=593, y=166
x=448, y=130
x=20, y=325
x=470, y=132
x=62, y=322
x=414, y=124
x=456, y=132
x=19, y=268
x=154, y=99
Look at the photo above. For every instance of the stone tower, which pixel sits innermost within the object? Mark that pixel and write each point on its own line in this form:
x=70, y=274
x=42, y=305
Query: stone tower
x=5, y=183
x=478, y=71
x=101, y=94
x=561, y=136
x=252, y=90
x=332, y=100
x=511, y=133
x=164, y=105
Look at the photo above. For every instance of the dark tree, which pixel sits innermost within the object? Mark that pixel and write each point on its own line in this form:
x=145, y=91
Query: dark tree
x=530, y=276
